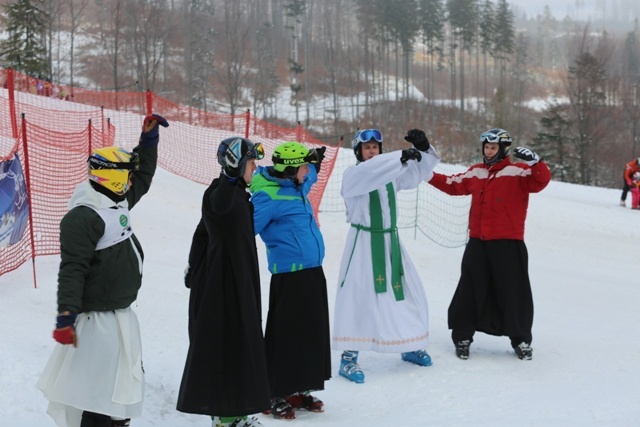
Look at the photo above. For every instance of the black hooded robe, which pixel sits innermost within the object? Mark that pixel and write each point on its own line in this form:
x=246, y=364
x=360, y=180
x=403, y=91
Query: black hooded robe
x=225, y=373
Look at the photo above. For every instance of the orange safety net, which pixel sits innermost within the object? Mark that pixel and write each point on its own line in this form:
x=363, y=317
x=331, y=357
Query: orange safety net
x=54, y=129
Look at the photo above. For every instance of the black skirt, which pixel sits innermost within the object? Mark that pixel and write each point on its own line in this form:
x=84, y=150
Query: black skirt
x=297, y=334
x=494, y=293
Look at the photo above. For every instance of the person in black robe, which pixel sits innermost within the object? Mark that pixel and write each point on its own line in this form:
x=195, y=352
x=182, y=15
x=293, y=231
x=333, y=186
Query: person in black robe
x=225, y=374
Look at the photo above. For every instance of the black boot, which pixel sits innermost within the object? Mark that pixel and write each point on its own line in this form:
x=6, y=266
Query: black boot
x=91, y=419
x=121, y=423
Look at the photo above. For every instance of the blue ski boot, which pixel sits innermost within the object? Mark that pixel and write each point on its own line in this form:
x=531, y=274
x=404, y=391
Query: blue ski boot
x=419, y=357
x=349, y=367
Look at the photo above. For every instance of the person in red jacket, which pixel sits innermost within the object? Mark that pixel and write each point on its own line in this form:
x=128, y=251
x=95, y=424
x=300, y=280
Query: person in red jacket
x=629, y=169
x=635, y=190
x=494, y=293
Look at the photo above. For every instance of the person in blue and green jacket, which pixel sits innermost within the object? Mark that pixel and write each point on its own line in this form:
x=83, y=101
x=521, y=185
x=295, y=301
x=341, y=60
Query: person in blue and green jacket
x=297, y=332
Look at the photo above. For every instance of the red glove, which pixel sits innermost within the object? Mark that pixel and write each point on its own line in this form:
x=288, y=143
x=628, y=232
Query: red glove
x=150, y=135
x=152, y=120
x=65, y=332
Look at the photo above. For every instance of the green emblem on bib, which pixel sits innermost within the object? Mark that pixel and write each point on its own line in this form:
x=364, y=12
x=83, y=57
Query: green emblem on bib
x=124, y=220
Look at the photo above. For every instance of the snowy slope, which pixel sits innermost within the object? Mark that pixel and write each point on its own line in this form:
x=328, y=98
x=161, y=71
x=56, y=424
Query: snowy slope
x=585, y=371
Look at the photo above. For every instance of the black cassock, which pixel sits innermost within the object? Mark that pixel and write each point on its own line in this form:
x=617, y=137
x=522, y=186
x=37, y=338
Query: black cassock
x=225, y=373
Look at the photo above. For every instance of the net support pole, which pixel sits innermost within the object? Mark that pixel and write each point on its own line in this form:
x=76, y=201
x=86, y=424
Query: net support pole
x=415, y=222
x=90, y=136
x=27, y=177
x=247, y=124
x=12, y=102
x=149, y=102
x=102, y=125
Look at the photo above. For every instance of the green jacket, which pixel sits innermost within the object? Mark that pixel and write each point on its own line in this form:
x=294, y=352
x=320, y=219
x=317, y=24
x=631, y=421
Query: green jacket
x=109, y=278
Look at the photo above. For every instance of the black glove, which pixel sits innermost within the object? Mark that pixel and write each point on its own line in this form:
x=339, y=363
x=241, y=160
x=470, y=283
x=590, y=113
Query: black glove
x=316, y=156
x=526, y=155
x=410, y=154
x=150, y=135
x=418, y=138
x=320, y=152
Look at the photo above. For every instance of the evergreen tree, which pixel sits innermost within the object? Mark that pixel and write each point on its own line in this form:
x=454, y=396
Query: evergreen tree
x=294, y=10
x=431, y=21
x=587, y=96
x=631, y=85
x=463, y=19
x=504, y=40
x=25, y=48
x=199, y=43
x=553, y=143
x=487, y=30
x=402, y=26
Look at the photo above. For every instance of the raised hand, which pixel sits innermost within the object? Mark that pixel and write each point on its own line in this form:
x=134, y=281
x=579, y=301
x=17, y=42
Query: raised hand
x=150, y=135
x=526, y=155
x=410, y=154
x=418, y=138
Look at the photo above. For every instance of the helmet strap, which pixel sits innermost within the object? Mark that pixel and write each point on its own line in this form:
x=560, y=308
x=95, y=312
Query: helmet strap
x=106, y=192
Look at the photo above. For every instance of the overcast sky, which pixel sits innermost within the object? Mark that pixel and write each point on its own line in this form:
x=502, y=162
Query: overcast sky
x=559, y=8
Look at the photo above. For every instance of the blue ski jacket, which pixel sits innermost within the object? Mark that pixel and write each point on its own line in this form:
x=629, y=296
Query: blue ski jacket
x=283, y=216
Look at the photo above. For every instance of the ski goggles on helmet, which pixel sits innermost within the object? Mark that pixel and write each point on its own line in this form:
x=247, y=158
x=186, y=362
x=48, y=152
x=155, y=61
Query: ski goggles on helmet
x=99, y=162
x=490, y=137
x=367, y=135
x=256, y=152
x=495, y=136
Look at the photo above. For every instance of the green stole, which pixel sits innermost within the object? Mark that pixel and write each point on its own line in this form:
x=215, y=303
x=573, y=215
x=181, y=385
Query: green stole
x=378, y=252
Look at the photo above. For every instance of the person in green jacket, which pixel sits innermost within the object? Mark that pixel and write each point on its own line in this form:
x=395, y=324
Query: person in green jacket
x=94, y=378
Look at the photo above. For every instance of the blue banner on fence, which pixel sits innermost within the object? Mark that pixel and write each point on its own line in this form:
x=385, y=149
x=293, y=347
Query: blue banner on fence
x=14, y=203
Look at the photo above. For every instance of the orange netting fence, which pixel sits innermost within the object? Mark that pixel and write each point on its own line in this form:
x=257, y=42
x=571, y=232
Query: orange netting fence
x=47, y=134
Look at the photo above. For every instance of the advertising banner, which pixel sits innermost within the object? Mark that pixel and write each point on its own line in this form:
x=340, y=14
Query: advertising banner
x=14, y=203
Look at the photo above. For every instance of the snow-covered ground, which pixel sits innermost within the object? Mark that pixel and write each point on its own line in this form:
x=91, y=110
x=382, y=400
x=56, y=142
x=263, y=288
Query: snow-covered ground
x=583, y=252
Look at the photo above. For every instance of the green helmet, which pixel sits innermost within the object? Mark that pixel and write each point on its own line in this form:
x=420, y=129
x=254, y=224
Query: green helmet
x=290, y=154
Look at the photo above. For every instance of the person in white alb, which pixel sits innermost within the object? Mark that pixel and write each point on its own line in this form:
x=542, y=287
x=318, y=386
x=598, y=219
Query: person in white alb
x=380, y=301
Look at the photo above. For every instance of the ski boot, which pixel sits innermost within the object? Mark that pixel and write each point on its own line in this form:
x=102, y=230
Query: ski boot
x=281, y=409
x=305, y=401
x=349, y=367
x=235, y=422
x=419, y=357
x=462, y=349
x=523, y=351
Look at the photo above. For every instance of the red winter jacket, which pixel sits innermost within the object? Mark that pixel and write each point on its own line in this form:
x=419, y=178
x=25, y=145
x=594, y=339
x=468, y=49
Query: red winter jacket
x=499, y=196
x=629, y=169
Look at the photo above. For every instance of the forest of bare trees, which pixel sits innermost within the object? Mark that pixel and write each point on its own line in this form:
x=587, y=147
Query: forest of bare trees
x=566, y=87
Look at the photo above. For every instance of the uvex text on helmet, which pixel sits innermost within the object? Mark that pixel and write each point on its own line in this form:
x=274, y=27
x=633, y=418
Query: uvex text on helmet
x=290, y=154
